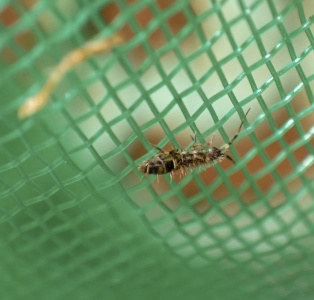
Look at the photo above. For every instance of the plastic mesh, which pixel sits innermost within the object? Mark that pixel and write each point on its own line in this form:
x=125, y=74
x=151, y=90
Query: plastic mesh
x=78, y=221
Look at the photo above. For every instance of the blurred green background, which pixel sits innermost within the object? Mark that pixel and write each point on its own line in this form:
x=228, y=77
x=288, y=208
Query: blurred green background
x=78, y=221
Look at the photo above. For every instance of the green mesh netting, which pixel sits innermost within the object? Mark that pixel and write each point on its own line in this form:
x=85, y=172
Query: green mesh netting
x=78, y=221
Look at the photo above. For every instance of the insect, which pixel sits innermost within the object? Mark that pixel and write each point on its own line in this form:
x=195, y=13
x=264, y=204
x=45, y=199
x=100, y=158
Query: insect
x=181, y=159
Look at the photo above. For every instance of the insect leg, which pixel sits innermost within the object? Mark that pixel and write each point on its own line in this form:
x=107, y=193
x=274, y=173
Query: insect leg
x=198, y=145
x=161, y=150
x=194, y=140
x=211, y=141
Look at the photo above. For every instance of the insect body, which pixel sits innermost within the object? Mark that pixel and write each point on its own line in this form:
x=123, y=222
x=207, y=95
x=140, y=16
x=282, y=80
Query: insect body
x=180, y=159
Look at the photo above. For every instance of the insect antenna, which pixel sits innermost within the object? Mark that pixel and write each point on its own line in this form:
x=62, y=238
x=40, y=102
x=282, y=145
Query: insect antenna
x=237, y=133
x=230, y=158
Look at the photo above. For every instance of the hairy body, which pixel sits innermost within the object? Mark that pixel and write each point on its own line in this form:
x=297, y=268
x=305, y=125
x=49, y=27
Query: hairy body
x=181, y=159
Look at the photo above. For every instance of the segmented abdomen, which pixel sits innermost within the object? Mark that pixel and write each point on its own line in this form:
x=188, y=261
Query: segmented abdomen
x=166, y=162
x=161, y=163
x=192, y=159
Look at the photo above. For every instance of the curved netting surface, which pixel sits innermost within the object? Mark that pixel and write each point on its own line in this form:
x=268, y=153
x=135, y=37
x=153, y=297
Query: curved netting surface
x=79, y=221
